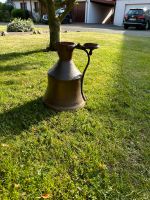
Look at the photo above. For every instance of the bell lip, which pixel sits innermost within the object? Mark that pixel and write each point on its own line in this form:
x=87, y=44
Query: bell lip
x=68, y=44
x=64, y=108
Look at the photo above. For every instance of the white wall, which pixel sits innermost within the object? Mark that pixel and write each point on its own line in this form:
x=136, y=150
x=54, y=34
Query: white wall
x=96, y=13
x=122, y=6
x=17, y=5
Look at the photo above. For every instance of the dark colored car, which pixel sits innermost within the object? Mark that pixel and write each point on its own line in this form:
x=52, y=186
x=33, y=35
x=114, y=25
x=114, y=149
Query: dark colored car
x=139, y=18
x=44, y=19
x=66, y=20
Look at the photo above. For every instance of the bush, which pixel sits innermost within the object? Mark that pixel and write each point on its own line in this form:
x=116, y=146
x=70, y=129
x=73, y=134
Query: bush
x=20, y=13
x=4, y=16
x=5, y=12
x=20, y=25
x=5, y=6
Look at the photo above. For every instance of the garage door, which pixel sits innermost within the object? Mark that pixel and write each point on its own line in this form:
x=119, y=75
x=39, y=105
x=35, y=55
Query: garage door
x=78, y=12
x=134, y=6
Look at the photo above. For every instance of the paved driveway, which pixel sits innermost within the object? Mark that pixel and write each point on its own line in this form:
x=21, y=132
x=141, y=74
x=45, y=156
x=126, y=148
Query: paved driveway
x=81, y=27
x=104, y=29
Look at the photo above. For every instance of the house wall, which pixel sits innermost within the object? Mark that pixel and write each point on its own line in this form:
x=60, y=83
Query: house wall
x=17, y=5
x=36, y=15
x=122, y=6
x=96, y=13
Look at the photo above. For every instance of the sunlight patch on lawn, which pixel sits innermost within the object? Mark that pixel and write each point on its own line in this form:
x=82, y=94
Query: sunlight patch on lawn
x=97, y=152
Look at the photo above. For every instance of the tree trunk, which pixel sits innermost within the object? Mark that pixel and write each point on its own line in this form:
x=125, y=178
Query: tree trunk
x=31, y=9
x=23, y=5
x=55, y=21
x=54, y=26
x=54, y=34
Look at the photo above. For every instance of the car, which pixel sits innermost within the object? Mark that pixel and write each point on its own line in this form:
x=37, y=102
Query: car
x=59, y=11
x=44, y=19
x=66, y=20
x=68, y=17
x=139, y=18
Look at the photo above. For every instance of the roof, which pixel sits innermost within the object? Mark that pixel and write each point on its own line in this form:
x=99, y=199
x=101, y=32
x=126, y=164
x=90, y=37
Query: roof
x=109, y=2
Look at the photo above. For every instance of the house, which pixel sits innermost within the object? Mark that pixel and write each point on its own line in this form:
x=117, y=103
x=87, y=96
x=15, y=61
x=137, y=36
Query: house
x=123, y=6
x=107, y=11
x=94, y=11
x=100, y=11
x=35, y=7
x=88, y=11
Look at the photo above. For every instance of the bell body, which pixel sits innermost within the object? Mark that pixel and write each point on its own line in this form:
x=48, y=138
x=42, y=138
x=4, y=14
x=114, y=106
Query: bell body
x=64, y=81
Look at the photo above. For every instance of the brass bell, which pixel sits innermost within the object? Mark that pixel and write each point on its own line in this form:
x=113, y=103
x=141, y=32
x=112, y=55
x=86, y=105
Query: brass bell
x=65, y=81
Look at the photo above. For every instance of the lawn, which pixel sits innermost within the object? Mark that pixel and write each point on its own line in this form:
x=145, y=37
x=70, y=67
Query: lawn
x=3, y=28
x=95, y=153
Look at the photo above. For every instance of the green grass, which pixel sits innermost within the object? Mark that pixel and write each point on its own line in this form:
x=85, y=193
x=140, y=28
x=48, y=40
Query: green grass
x=98, y=152
x=3, y=28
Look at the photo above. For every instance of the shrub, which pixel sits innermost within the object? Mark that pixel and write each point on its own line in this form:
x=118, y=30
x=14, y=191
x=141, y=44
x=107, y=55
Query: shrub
x=5, y=6
x=5, y=12
x=20, y=13
x=20, y=25
x=4, y=16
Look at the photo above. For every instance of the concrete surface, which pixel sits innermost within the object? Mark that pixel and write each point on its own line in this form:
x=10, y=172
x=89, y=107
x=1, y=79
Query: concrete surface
x=81, y=27
x=104, y=29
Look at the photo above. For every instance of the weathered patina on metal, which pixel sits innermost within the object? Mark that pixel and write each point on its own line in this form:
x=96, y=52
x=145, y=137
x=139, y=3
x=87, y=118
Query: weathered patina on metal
x=65, y=81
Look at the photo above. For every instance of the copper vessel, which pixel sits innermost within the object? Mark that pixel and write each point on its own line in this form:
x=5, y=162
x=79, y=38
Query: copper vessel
x=65, y=81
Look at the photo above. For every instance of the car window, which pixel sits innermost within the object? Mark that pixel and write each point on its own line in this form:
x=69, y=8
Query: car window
x=60, y=11
x=136, y=12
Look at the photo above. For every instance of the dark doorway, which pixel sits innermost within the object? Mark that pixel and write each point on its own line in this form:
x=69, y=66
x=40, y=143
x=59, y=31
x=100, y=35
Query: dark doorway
x=78, y=12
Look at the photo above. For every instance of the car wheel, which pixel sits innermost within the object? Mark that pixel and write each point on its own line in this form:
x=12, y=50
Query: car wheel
x=125, y=27
x=139, y=27
x=147, y=26
x=68, y=21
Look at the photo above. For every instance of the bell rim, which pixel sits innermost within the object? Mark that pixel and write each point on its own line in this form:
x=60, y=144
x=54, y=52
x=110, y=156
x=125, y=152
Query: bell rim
x=68, y=44
x=65, y=108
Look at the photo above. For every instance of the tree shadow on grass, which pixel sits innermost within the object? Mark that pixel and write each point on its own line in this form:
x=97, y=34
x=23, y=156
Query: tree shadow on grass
x=18, y=67
x=12, y=55
x=21, y=118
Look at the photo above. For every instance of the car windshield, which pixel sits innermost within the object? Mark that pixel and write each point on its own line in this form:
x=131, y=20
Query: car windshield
x=45, y=17
x=59, y=11
x=136, y=12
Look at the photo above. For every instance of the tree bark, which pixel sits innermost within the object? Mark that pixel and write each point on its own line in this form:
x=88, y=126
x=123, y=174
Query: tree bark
x=23, y=5
x=31, y=8
x=54, y=26
x=54, y=34
x=55, y=21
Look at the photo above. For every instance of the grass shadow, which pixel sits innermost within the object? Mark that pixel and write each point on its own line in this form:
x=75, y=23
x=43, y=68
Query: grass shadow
x=21, y=118
x=14, y=55
x=17, y=67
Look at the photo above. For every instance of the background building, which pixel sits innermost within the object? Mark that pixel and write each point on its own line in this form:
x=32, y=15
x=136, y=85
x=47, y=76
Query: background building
x=123, y=6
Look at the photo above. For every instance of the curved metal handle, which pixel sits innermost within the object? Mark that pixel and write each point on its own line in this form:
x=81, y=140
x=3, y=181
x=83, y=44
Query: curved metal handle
x=83, y=74
x=79, y=46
